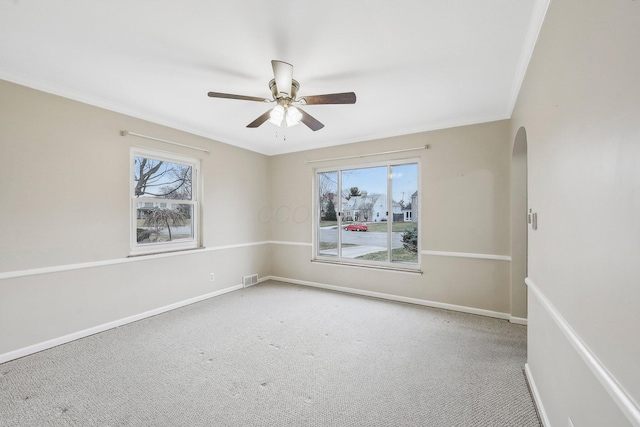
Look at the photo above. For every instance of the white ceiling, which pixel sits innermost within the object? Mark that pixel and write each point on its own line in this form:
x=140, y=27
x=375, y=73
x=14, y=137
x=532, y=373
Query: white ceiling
x=414, y=65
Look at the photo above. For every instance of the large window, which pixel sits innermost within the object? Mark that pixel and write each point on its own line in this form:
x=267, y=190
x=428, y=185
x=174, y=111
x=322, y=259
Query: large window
x=369, y=215
x=164, y=207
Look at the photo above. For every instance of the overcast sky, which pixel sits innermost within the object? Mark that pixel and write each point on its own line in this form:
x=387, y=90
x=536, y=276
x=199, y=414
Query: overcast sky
x=374, y=180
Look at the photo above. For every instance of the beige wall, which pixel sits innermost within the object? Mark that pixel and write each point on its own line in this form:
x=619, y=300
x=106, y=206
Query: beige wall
x=464, y=208
x=579, y=105
x=64, y=174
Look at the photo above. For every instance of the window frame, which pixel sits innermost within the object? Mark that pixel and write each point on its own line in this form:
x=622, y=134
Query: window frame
x=338, y=259
x=196, y=186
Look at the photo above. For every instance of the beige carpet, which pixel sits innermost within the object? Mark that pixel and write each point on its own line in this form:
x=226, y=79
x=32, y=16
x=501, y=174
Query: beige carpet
x=280, y=355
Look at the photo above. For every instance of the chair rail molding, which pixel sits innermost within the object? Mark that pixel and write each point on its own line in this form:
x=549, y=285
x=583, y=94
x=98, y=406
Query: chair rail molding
x=617, y=393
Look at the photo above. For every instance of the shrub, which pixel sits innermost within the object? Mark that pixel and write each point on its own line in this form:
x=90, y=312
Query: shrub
x=330, y=215
x=143, y=234
x=410, y=239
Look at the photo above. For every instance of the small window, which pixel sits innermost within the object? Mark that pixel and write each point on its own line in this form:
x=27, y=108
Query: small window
x=164, y=202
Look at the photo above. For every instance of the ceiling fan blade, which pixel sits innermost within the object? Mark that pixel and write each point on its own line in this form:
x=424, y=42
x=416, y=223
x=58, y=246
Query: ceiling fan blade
x=310, y=121
x=260, y=120
x=283, y=74
x=333, y=98
x=240, y=97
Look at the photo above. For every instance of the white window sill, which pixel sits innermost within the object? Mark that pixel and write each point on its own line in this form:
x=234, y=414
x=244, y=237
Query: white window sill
x=393, y=268
x=163, y=249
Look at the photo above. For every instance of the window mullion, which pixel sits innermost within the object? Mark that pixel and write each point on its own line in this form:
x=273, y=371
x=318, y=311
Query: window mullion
x=389, y=215
x=339, y=215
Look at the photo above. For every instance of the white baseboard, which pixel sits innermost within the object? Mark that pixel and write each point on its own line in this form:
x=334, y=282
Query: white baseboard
x=25, y=351
x=260, y=280
x=518, y=320
x=544, y=419
x=426, y=303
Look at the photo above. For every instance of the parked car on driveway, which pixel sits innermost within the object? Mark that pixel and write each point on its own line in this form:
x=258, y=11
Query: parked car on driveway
x=356, y=226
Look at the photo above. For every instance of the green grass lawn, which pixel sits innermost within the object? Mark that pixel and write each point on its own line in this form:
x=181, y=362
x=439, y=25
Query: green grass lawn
x=327, y=245
x=395, y=226
x=333, y=245
x=398, y=255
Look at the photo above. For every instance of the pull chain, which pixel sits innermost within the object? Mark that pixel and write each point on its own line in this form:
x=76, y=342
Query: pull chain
x=284, y=135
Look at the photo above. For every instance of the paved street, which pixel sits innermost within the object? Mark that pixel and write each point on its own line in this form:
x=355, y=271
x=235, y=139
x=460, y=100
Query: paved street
x=366, y=242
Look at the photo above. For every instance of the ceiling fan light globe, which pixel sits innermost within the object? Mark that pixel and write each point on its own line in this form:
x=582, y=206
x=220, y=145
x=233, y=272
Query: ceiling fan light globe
x=293, y=116
x=277, y=115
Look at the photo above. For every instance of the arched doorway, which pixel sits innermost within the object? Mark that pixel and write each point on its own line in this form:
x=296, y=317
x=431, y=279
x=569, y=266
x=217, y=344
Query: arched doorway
x=519, y=226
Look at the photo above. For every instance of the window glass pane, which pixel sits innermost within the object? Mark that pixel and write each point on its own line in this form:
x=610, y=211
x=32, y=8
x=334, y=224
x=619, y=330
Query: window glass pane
x=404, y=188
x=156, y=223
x=364, y=205
x=161, y=179
x=328, y=206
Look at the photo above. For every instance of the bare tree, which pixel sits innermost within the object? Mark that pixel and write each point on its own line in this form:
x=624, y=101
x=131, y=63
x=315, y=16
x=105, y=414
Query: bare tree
x=367, y=206
x=326, y=186
x=161, y=179
x=159, y=218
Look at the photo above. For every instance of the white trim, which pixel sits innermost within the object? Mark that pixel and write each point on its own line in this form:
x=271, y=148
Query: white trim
x=236, y=246
x=360, y=156
x=273, y=150
x=79, y=266
x=518, y=320
x=424, y=252
x=384, y=267
x=467, y=255
x=544, y=419
x=426, y=303
x=608, y=381
x=25, y=351
x=533, y=32
x=68, y=93
x=126, y=132
x=282, y=242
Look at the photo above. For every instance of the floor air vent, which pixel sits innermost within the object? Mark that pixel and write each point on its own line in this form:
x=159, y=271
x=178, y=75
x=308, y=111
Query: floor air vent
x=249, y=280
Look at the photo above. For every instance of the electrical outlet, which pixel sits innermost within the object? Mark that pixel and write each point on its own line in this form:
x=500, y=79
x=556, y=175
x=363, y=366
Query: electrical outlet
x=212, y=277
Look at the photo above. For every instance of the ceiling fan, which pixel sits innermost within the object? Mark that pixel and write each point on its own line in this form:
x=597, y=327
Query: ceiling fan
x=284, y=90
